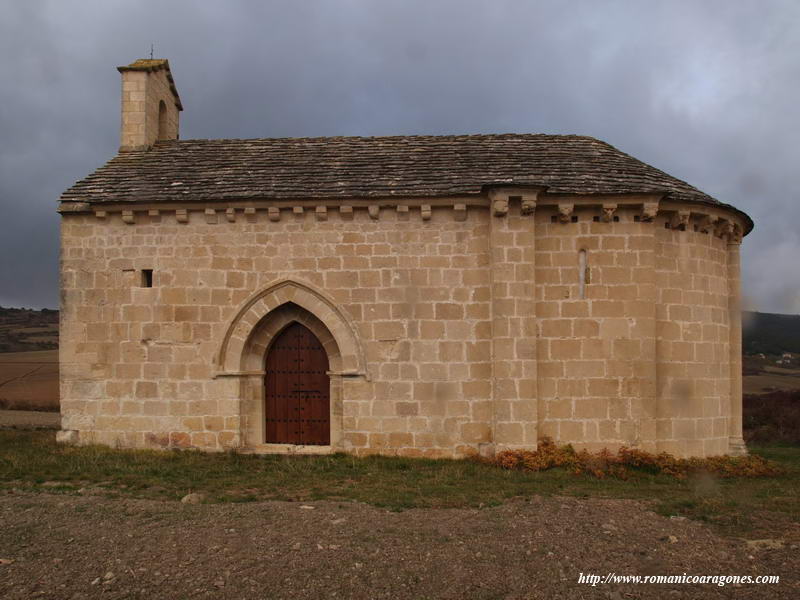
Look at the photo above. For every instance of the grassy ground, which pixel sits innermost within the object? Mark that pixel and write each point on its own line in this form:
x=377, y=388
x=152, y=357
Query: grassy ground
x=29, y=459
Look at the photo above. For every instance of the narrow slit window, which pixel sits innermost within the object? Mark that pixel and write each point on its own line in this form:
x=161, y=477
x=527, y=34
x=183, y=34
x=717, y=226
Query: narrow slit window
x=583, y=274
x=147, y=278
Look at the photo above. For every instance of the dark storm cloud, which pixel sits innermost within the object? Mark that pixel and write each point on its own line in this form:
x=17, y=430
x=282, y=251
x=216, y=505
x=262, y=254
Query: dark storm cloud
x=703, y=90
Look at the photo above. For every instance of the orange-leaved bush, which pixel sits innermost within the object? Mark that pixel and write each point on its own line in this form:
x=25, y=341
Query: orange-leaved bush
x=626, y=461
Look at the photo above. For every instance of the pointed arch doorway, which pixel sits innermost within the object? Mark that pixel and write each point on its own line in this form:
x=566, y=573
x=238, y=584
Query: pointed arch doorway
x=297, y=389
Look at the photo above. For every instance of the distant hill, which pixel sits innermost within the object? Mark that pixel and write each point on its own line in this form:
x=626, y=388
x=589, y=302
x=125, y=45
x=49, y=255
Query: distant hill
x=26, y=330
x=769, y=333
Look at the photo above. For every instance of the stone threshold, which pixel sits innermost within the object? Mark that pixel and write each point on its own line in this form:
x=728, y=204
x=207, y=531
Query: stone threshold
x=287, y=449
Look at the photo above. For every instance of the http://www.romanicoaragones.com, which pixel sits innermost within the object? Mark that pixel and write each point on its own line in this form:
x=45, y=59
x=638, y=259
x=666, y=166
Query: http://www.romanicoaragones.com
x=594, y=579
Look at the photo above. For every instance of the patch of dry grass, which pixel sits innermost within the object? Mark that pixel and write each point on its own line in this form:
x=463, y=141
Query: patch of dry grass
x=628, y=462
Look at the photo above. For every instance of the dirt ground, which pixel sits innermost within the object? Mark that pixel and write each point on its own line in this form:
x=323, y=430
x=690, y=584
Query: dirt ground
x=90, y=546
x=767, y=382
x=29, y=380
x=30, y=419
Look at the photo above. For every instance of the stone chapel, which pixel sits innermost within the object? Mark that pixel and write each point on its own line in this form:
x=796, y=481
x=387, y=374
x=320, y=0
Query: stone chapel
x=417, y=295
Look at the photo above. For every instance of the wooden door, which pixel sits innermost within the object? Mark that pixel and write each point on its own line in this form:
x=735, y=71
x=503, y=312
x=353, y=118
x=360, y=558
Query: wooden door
x=297, y=389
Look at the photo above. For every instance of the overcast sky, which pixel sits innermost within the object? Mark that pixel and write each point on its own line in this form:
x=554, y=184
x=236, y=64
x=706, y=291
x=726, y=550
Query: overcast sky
x=705, y=90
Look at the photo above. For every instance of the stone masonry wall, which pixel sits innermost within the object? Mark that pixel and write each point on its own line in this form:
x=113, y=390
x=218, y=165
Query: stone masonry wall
x=474, y=334
x=693, y=341
x=596, y=378
x=142, y=93
x=138, y=362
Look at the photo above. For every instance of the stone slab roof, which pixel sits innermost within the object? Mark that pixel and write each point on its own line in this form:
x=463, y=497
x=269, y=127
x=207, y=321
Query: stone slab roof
x=372, y=167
